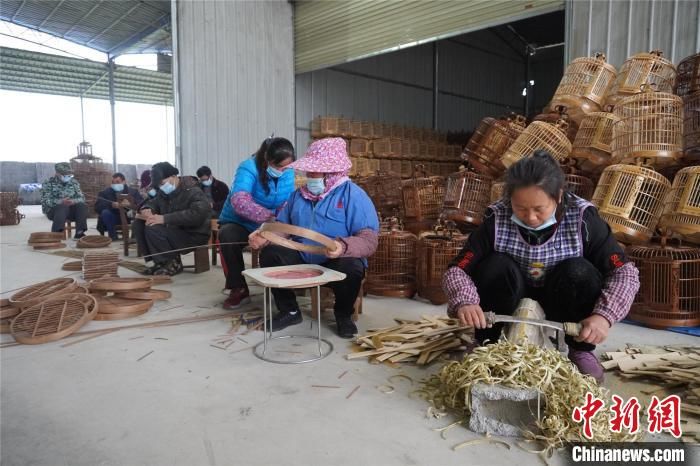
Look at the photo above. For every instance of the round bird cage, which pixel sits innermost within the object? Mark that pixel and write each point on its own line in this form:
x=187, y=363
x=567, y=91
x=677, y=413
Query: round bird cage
x=539, y=135
x=650, y=128
x=385, y=191
x=682, y=209
x=640, y=69
x=436, y=250
x=630, y=198
x=560, y=112
x=580, y=185
x=583, y=87
x=591, y=148
x=422, y=196
x=92, y=174
x=9, y=215
x=498, y=190
x=688, y=78
x=467, y=196
x=490, y=140
x=669, y=292
x=691, y=128
x=391, y=270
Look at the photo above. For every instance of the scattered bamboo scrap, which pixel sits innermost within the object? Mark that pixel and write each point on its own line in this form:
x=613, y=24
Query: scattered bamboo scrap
x=420, y=341
x=251, y=320
x=673, y=368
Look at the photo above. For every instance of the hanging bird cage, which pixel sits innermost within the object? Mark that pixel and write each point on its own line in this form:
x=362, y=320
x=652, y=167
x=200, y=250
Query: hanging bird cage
x=688, y=78
x=591, y=148
x=584, y=85
x=9, y=215
x=391, y=270
x=490, y=140
x=640, y=69
x=498, y=190
x=691, y=128
x=630, y=198
x=91, y=173
x=650, y=128
x=580, y=185
x=560, y=112
x=385, y=191
x=423, y=195
x=669, y=292
x=466, y=197
x=682, y=209
x=436, y=250
x=537, y=136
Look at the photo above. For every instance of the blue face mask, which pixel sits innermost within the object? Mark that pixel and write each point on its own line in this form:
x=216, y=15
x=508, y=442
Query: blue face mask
x=208, y=182
x=167, y=188
x=548, y=223
x=66, y=178
x=152, y=192
x=273, y=172
x=118, y=187
x=315, y=185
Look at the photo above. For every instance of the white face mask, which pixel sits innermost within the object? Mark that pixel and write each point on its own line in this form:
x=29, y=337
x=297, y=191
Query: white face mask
x=547, y=223
x=118, y=187
x=207, y=182
x=66, y=178
x=152, y=192
x=315, y=185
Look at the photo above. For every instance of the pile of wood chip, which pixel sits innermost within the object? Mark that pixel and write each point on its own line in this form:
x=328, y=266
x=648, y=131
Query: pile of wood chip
x=420, y=341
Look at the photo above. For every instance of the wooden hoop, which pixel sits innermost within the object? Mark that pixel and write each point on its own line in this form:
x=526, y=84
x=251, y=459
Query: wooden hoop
x=44, y=237
x=39, y=246
x=119, y=316
x=34, y=294
x=151, y=294
x=52, y=319
x=8, y=312
x=121, y=305
x=73, y=266
x=271, y=232
x=120, y=284
x=94, y=241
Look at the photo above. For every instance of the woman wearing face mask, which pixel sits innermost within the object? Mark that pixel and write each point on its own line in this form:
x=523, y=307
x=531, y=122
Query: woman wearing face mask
x=543, y=243
x=260, y=188
x=107, y=207
x=334, y=206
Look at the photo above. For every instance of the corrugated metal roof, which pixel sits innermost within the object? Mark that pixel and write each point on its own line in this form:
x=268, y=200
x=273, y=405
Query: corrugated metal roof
x=114, y=27
x=22, y=70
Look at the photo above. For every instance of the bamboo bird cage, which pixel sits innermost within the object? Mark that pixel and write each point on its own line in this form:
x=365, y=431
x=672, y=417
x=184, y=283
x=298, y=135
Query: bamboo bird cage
x=539, y=135
x=669, y=293
x=688, y=77
x=638, y=70
x=385, y=191
x=423, y=196
x=9, y=215
x=649, y=128
x=360, y=147
x=436, y=250
x=682, y=209
x=490, y=140
x=691, y=128
x=580, y=185
x=591, y=148
x=498, y=189
x=391, y=270
x=584, y=85
x=560, y=112
x=91, y=173
x=630, y=198
x=467, y=196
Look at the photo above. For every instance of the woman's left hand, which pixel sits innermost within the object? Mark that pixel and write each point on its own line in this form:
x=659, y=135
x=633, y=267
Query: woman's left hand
x=337, y=252
x=155, y=219
x=594, y=329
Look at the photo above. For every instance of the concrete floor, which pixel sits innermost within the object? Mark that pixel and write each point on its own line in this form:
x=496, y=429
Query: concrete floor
x=187, y=403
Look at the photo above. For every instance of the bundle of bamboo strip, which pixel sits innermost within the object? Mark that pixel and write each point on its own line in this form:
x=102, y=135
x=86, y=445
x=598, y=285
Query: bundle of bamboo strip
x=100, y=264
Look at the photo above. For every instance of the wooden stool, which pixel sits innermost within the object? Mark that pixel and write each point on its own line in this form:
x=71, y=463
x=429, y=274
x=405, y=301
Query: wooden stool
x=201, y=260
x=214, y=240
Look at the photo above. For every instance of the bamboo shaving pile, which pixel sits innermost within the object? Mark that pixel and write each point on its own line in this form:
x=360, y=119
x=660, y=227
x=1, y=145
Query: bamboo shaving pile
x=526, y=366
x=420, y=341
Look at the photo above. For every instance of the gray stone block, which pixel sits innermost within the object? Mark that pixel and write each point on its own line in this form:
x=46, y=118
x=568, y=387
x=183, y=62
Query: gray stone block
x=503, y=411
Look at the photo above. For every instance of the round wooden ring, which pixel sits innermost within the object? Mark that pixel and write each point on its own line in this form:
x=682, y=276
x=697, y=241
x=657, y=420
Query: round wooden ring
x=34, y=294
x=8, y=312
x=44, y=236
x=73, y=266
x=94, y=241
x=161, y=279
x=119, y=316
x=271, y=231
x=120, y=284
x=34, y=242
x=4, y=302
x=38, y=246
x=51, y=320
x=120, y=305
x=150, y=294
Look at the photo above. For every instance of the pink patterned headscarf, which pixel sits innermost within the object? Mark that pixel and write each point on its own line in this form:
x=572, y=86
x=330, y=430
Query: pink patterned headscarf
x=328, y=156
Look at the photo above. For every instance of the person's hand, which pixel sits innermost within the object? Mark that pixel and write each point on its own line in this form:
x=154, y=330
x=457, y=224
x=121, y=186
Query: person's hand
x=594, y=329
x=471, y=315
x=334, y=254
x=155, y=219
x=145, y=213
x=256, y=241
x=115, y=205
x=67, y=201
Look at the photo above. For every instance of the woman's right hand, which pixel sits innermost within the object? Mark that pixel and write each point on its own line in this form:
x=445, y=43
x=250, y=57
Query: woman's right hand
x=256, y=241
x=471, y=315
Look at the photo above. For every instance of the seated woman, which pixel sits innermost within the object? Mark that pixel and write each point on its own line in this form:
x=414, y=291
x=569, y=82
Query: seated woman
x=544, y=243
x=260, y=188
x=332, y=205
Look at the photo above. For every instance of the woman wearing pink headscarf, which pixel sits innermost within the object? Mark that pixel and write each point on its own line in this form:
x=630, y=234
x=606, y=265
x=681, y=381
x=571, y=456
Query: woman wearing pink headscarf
x=332, y=205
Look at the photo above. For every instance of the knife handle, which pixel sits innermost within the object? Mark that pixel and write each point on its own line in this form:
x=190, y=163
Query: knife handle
x=572, y=328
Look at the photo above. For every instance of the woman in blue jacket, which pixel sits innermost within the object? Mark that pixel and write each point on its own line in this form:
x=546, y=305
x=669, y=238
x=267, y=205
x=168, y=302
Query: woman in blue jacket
x=332, y=205
x=260, y=188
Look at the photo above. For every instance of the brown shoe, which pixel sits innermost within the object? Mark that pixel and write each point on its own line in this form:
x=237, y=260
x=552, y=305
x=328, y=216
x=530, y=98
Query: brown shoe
x=236, y=298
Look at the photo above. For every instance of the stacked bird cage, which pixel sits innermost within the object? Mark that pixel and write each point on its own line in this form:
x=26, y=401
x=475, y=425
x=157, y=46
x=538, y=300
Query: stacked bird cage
x=466, y=197
x=682, y=209
x=591, y=148
x=688, y=77
x=422, y=199
x=584, y=85
x=580, y=185
x=640, y=69
x=560, y=112
x=92, y=174
x=490, y=140
x=391, y=270
x=669, y=293
x=9, y=215
x=436, y=250
x=498, y=190
x=649, y=128
x=539, y=135
x=688, y=88
x=630, y=198
x=385, y=191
